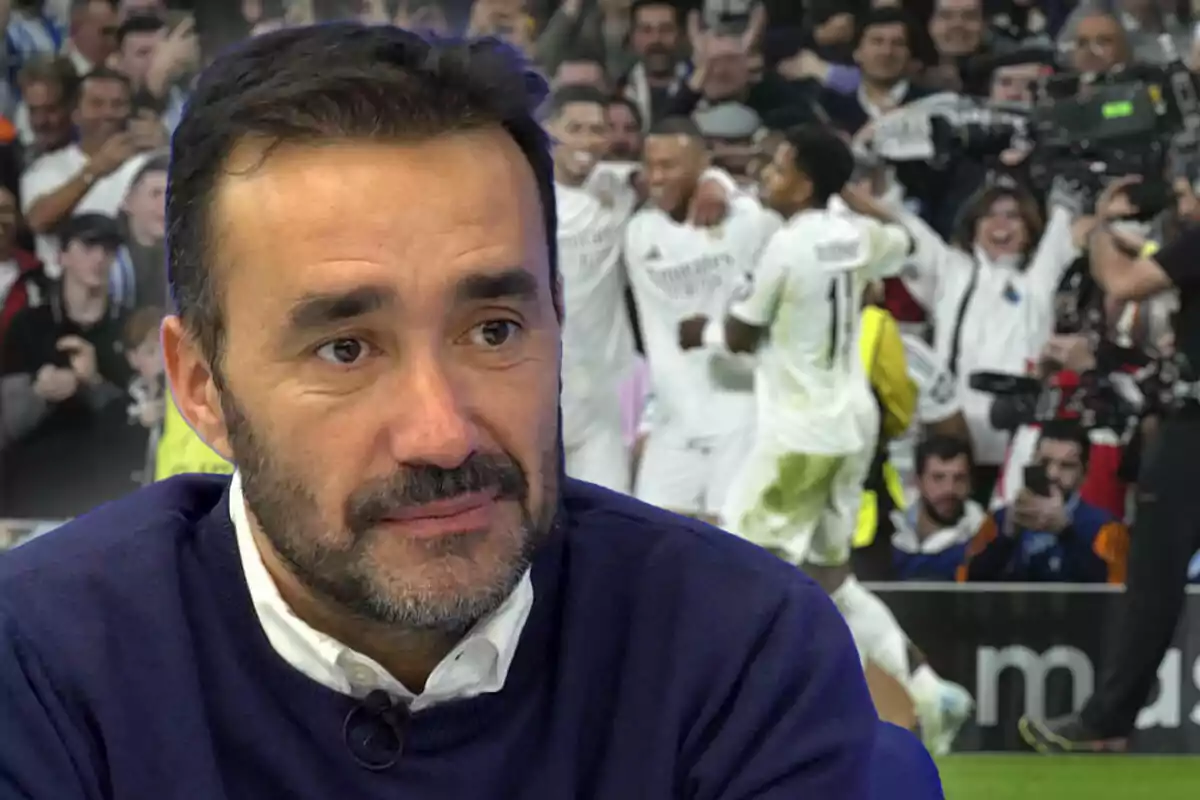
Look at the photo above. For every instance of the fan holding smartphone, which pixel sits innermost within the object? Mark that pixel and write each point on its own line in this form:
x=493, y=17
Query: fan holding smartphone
x=1049, y=533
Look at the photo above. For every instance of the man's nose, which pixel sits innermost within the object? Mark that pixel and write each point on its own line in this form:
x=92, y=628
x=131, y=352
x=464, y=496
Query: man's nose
x=428, y=421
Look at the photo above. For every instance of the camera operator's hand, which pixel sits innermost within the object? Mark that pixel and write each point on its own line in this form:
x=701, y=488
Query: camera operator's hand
x=1033, y=512
x=1114, y=203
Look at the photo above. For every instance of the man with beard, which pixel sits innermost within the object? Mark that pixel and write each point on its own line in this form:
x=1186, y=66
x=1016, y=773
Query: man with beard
x=931, y=536
x=399, y=591
x=1049, y=533
x=625, y=130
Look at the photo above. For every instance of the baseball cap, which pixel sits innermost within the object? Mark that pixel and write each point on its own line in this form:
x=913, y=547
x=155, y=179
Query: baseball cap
x=728, y=121
x=91, y=229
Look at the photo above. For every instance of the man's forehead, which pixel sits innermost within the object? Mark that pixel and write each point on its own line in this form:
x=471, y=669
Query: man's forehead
x=318, y=218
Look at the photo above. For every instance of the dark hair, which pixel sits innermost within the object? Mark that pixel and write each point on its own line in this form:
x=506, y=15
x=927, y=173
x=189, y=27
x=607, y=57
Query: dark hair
x=889, y=15
x=677, y=126
x=980, y=203
x=139, y=23
x=585, y=55
x=160, y=162
x=90, y=229
x=622, y=100
x=943, y=448
x=1070, y=431
x=57, y=70
x=336, y=81
x=570, y=95
x=639, y=5
x=819, y=152
x=141, y=323
x=104, y=74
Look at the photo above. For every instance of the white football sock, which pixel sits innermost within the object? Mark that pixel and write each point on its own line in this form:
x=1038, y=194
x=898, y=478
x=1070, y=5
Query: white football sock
x=875, y=630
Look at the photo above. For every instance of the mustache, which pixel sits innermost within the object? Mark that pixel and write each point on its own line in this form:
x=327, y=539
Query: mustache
x=658, y=50
x=417, y=485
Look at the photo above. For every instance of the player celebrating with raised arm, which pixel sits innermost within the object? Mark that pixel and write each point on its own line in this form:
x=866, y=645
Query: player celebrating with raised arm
x=800, y=489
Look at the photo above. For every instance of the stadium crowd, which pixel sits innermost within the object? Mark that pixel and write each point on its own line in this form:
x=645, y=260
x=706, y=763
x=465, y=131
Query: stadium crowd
x=668, y=118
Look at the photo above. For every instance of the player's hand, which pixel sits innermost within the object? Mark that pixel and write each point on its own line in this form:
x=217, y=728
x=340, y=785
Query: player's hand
x=710, y=204
x=55, y=384
x=691, y=332
x=1072, y=352
x=1036, y=513
x=83, y=358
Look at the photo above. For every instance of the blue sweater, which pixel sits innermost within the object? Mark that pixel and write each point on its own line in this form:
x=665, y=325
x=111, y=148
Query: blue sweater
x=662, y=659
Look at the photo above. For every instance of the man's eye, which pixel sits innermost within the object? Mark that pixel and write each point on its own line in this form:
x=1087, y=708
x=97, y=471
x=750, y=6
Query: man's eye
x=494, y=333
x=342, y=351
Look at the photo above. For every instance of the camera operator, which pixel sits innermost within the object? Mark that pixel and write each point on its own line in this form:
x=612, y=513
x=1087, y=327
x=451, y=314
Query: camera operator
x=989, y=294
x=1167, y=528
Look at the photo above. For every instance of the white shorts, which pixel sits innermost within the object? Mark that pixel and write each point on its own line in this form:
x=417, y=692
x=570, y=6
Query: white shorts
x=803, y=506
x=601, y=458
x=690, y=476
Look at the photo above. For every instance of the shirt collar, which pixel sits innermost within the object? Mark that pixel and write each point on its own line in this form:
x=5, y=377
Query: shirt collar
x=895, y=94
x=479, y=664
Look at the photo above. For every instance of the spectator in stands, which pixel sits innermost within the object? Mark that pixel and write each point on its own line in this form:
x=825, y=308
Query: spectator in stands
x=602, y=28
x=659, y=72
x=956, y=28
x=131, y=8
x=882, y=54
x=1141, y=22
x=63, y=381
x=156, y=58
x=91, y=175
x=93, y=34
x=147, y=389
x=581, y=70
x=22, y=281
x=990, y=295
x=140, y=273
x=1098, y=43
x=730, y=131
x=48, y=90
x=625, y=130
x=1049, y=533
x=32, y=29
x=931, y=536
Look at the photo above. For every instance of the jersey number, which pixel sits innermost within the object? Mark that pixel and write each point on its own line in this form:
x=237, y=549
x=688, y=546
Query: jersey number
x=841, y=321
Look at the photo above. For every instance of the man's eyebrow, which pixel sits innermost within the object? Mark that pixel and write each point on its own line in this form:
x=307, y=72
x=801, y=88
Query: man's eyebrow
x=317, y=311
x=511, y=284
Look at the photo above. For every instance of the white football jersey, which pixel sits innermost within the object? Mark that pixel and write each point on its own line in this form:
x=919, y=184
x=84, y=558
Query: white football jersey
x=597, y=336
x=678, y=270
x=807, y=292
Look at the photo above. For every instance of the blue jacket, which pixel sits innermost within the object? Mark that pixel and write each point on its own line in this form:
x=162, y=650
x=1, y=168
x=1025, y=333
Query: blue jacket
x=1093, y=549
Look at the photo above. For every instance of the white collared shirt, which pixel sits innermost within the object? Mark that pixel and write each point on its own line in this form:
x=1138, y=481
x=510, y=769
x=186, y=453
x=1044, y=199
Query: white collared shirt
x=895, y=95
x=479, y=664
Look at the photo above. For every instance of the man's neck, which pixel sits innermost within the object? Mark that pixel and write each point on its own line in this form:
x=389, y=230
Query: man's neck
x=567, y=178
x=926, y=525
x=409, y=657
x=142, y=237
x=84, y=304
x=878, y=92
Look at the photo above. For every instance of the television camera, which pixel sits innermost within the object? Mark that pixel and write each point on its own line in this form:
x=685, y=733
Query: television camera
x=1125, y=386
x=1084, y=128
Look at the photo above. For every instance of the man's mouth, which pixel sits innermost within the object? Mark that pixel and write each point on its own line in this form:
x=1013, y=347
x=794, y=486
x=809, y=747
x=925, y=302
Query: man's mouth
x=462, y=514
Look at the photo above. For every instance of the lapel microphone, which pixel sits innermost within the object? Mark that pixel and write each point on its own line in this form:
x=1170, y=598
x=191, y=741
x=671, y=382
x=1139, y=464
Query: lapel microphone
x=374, y=731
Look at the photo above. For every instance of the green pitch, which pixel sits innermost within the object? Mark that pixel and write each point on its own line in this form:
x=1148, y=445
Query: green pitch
x=1032, y=777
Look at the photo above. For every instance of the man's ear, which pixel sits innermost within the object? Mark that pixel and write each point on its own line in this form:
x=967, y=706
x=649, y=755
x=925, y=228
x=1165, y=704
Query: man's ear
x=193, y=386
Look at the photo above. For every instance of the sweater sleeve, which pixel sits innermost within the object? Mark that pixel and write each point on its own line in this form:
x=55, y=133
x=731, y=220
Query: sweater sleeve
x=796, y=722
x=43, y=754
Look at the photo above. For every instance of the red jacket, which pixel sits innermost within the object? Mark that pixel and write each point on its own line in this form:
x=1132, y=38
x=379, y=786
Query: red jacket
x=28, y=290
